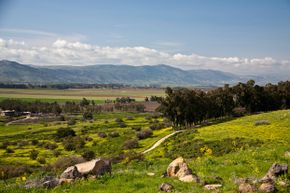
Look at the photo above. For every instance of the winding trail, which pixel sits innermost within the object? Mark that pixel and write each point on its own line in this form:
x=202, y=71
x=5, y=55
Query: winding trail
x=160, y=141
x=20, y=120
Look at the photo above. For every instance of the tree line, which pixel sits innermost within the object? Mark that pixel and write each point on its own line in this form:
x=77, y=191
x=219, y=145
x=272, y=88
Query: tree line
x=72, y=107
x=185, y=107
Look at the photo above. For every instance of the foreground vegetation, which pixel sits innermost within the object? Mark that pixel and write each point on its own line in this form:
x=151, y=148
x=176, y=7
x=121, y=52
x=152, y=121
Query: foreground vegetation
x=219, y=153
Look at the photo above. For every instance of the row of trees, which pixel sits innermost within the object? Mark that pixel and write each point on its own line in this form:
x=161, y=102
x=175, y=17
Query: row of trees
x=186, y=107
x=55, y=108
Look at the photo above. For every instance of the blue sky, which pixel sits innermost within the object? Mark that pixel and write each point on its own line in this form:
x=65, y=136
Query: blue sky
x=247, y=29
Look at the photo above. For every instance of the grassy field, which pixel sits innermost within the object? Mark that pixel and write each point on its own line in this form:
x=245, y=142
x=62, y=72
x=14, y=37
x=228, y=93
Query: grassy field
x=234, y=149
x=99, y=95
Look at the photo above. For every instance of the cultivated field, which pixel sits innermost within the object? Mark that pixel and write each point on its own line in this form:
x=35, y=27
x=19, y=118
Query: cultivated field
x=98, y=95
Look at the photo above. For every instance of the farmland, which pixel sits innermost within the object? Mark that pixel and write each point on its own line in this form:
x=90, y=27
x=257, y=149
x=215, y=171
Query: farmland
x=60, y=95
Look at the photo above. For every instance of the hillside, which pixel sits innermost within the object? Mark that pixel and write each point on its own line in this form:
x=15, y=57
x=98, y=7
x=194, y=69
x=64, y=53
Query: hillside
x=219, y=153
x=13, y=72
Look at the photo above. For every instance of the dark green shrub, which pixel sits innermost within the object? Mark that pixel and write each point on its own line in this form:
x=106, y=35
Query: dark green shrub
x=64, y=162
x=34, y=142
x=89, y=155
x=71, y=122
x=64, y=132
x=131, y=143
x=144, y=134
x=33, y=154
x=41, y=160
x=122, y=124
x=88, y=115
x=102, y=134
x=11, y=171
x=8, y=150
x=73, y=143
x=48, y=145
x=56, y=153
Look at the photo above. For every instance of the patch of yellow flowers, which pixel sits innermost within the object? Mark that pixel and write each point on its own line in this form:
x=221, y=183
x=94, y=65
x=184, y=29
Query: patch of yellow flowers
x=206, y=151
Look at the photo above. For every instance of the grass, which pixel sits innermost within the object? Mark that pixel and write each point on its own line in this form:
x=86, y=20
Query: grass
x=59, y=95
x=242, y=161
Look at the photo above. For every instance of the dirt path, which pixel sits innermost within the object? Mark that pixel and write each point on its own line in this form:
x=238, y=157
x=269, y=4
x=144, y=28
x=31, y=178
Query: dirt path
x=160, y=141
x=20, y=120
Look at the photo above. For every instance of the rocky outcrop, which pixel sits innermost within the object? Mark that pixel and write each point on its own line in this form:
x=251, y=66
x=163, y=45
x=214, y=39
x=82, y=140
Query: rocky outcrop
x=267, y=187
x=46, y=182
x=166, y=187
x=94, y=167
x=275, y=171
x=178, y=168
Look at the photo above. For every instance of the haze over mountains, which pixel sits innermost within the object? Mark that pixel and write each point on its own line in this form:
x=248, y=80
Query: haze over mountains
x=164, y=75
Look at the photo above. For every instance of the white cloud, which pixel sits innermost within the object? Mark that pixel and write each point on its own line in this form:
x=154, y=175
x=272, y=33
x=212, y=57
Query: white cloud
x=67, y=52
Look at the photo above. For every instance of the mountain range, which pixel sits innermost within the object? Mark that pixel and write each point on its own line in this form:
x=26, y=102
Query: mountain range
x=164, y=75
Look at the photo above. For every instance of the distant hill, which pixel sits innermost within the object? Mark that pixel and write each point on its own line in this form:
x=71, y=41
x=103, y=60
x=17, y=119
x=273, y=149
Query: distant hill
x=13, y=72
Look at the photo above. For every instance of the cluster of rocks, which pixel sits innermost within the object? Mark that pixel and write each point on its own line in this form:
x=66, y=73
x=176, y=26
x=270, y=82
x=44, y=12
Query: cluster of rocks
x=178, y=168
x=93, y=168
x=265, y=184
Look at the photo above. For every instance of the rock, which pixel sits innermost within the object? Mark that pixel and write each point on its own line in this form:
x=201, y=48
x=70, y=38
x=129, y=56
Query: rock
x=178, y=168
x=150, y=174
x=275, y=171
x=267, y=187
x=46, y=182
x=246, y=188
x=166, y=187
x=190, y=178
x=71, y=173
x=287, y=154
x=94, y=167
x=64, y=180
x=212, y=186
x=282, y=183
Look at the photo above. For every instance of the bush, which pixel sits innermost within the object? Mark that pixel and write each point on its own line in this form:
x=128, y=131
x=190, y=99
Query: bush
x=8, y=150
x=4, y=145
x=56, y=153
x=48, y=145
x=22, y=143
x=114, y=134
x=73, y=143
x=65, y=132
x=65, y=162
x=71, y=122
x=136, y=128
x=102, y=134
x=157, y=126
x=11, y=171
x=122, y=124
x=144, y=134
x=118, y=120
x=88, y=155
x=33, y=154
x=130, y=118
x=34, y=142
x=131, y=143
x=88, y=115
x=41, y=160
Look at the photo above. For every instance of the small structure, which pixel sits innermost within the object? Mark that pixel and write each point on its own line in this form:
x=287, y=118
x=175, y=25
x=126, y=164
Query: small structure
x=8, y=113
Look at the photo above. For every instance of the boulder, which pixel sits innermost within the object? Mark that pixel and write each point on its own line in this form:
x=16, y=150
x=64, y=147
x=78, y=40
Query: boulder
x=178, y=168
x=212, y=186
x=287, y=154
x=71, y=173
x=247, y=188
x=267, y=187
x=46, y=182
x=94, y=167
x=166, y=187
x=275, y=171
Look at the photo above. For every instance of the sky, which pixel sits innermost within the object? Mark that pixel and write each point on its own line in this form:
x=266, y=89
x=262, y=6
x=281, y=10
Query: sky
x=239, y=36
